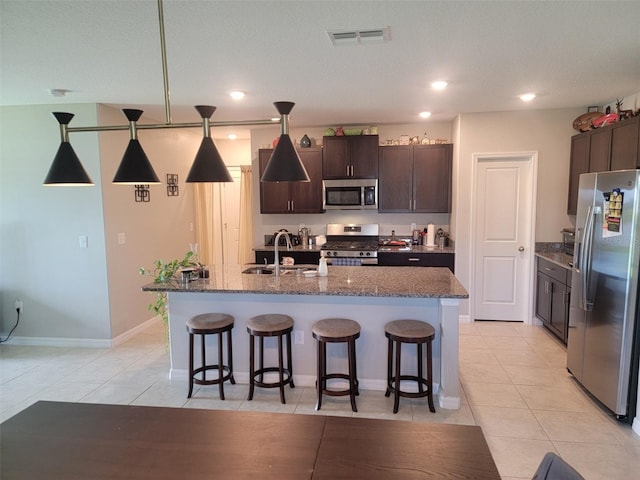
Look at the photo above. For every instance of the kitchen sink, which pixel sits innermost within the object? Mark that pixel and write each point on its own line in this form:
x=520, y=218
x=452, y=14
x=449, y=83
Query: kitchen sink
x=284, y=269
x=258, y=271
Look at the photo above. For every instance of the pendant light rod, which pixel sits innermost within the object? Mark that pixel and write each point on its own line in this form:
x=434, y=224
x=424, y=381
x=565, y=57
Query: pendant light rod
x=165, y=70
x=155, y=126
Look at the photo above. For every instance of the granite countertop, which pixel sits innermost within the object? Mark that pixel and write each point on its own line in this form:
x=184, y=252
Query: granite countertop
x=411, y=282
x=559, y=258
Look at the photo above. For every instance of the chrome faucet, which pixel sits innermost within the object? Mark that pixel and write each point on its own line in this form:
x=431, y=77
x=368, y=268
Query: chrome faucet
x=276, y=259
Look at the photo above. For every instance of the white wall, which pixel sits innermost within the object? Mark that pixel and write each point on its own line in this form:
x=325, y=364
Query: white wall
x=547, y=132
x=63, y=287
x=160, y=229
x=72, y=293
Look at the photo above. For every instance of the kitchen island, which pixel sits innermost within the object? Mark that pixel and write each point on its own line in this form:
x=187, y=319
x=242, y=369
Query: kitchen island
x=371, y=296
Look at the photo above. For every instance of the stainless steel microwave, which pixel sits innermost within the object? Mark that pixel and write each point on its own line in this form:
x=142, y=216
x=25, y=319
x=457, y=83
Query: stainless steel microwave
x=350, y=194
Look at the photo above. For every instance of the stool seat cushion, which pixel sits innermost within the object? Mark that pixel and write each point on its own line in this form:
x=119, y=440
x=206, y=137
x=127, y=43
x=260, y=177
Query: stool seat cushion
x=269, y=323
x=411, y=331
x=209, y=322
x=335, y=328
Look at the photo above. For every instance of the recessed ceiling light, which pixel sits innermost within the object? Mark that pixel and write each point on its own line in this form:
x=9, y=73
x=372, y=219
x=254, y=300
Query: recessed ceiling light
x=237, y=94
x=425, y=114
x=527, y=97
x=58, y=92
x=232, y=136
x=439, y=85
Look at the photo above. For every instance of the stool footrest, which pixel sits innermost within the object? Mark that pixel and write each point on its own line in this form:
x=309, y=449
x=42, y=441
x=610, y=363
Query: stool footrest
x=287, y=379
x=339, y=393
x=215, y=381
x=391, y=387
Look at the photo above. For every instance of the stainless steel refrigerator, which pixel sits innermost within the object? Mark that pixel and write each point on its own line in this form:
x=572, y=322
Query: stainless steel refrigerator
x=602, y=346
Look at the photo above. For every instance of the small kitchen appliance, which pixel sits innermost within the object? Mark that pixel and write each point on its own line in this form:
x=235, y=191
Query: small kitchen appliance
x=568, y=240
x=351, y=244
x=350, y=194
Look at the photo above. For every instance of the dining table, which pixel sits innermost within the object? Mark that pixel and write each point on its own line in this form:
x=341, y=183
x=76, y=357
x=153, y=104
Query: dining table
x=65, y=440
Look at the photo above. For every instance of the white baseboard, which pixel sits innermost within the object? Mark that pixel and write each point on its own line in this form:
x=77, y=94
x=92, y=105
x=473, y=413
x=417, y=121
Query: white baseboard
x=60, y=342
x=134, y=331
x=636, y=425
x=464, y=319
x=82, y=342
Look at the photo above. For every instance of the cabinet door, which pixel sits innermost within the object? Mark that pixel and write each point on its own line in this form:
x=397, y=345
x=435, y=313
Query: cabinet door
x=363, y=154
x=395, y=173
x=579, y=165
x=624, y=145
x=274, y=196
x=335, y=157
x=432, y=166
x=599, y=146
x=558, y=319
x=543, y=298
x=306, y=197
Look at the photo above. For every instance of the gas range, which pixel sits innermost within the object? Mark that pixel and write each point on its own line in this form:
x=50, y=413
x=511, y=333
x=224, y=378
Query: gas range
x=351, y=244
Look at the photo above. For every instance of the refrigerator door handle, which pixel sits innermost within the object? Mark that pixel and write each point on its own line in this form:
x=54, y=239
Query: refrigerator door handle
x=585, y=257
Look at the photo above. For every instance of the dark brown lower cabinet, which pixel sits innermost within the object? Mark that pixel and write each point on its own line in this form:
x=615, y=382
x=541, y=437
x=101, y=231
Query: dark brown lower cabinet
x=553, y=292
x=396, y=259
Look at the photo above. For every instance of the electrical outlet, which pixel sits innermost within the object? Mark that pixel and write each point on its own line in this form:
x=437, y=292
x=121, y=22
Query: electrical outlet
x=18, y=305
x=299, y=337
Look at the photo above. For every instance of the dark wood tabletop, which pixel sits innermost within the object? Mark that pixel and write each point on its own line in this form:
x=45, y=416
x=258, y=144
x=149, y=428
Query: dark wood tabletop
x=55, y=440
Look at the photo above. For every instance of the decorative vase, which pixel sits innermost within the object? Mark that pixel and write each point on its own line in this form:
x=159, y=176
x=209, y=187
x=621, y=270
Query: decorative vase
x=305, y=142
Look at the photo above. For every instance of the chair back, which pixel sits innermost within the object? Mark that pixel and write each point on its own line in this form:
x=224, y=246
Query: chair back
x=553, y=467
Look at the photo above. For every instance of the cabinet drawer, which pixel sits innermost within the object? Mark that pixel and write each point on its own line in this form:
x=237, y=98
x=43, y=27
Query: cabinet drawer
x=389, y=259
x=553, y=270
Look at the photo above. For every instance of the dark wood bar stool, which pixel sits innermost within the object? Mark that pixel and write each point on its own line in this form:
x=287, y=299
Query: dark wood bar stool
x=336, y=330
x=270, y=325
x=210, y=324
x=409, y=331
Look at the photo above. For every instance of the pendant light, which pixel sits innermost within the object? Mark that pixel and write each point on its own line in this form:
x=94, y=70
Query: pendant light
x=285, y=164
x=135, y=167
x=208, y=165
x=66, y=168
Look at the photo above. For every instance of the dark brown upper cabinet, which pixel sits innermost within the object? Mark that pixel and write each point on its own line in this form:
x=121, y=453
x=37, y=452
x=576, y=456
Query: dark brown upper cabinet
x=415, y=178
x=614, y=147
x=293, y=197
x=350, y=156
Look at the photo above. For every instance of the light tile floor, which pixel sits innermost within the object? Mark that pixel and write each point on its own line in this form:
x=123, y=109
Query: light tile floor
x=513, y=382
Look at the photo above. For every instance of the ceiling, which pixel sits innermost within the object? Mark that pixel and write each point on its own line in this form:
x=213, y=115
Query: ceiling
x=572, y=54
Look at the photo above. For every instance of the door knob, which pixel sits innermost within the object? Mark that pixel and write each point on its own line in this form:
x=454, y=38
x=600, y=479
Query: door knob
x=521, y=249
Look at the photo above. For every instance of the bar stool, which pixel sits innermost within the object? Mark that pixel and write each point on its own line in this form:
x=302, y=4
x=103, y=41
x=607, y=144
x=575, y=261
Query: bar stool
x=409, y=331
x=336, y=330
x=209, y=324
x=270, y=325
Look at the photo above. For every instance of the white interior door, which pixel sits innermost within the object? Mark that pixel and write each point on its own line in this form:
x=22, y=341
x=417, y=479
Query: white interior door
x=503, y=242
x=227, y=219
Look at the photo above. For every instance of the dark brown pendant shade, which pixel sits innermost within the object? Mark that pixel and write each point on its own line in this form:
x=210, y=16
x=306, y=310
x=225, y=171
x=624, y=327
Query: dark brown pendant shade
x=135, y=168
x=285, y=164
x=208, y=165
x=66, y=168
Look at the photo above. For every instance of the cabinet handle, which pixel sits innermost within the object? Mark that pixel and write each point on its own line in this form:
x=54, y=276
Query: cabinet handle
x=347, y=167
x=291, y=206
x=413, y=259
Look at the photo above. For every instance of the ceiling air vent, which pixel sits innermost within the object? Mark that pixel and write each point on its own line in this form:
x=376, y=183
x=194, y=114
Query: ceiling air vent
x=359, y=37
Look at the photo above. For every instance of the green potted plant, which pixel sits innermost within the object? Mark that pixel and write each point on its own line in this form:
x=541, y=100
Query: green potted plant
x=164, y=273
